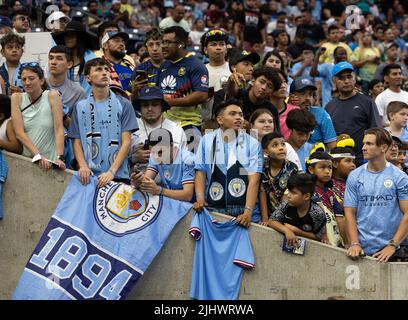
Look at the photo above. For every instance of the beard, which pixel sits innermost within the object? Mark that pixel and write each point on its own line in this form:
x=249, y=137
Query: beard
x=118, y=54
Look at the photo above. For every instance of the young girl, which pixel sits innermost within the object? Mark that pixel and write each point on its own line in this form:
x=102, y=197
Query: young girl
x=320, y=163
x=262, y=123
x=276, y=172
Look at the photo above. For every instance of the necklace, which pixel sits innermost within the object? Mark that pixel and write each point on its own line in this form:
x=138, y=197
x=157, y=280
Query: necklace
x=145, y=129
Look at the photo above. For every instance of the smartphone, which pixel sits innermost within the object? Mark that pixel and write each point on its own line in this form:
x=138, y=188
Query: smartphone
x=141, y=75
x=146, y=145
x=53, y=164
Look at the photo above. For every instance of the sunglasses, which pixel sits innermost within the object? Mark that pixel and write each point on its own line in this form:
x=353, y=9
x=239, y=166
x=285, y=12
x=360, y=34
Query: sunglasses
x=23, y=18
x=215, y=32
x=30, y=65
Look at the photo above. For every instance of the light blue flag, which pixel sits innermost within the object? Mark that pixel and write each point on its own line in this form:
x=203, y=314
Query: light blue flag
x=98, y=242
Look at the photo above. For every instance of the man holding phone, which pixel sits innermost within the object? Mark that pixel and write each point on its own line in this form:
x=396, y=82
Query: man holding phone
x=147, y=73
x=151, y=105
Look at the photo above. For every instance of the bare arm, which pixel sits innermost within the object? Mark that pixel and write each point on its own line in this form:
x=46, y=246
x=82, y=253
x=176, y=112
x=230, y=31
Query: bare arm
x=18, y=124
x=355, y=250
x=56, y=108
x=192, y=99
x=11, y=143
x=183, y=195
x=302, y=233
x=199, y=186
x=252, y=194
x=263, y=206
x=385, y=254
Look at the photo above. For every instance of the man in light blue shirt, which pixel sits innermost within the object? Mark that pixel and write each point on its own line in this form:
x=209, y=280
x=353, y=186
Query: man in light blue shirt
x=376, y=203
x=101, y=128
x=304, y=91
x=228, y=166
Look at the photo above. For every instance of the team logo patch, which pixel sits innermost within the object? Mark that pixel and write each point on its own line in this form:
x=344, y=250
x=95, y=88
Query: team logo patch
x=119, y=209
x=237, y=187
x=307, y=227
x=182, y=71
x=204, y=79
x=388, y=183
x=167, y=174
x=283, y=183
x=216, y=191
x=169, y=82
x=95, y=150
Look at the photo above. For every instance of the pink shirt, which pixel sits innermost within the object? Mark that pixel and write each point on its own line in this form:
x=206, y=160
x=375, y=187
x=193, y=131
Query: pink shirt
x=282, y=120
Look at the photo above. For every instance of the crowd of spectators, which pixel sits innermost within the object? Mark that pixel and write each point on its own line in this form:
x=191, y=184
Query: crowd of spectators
x=291, y=114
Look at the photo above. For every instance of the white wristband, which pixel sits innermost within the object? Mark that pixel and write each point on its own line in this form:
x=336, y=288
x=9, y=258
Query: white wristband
x=36, y=158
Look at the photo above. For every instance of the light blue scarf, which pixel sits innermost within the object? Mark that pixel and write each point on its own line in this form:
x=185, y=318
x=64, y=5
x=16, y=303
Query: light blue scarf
x=99, y=152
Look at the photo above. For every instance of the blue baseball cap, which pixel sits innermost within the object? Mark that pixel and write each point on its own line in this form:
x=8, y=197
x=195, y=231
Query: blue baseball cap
x=341, y=66
x=151, y=93
x=5, y=22
x=300, y=84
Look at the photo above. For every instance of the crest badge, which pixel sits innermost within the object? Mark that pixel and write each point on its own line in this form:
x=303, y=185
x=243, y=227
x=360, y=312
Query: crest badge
x=237, y=187
x=216, y=191
x=119, y=209
x=182, y=71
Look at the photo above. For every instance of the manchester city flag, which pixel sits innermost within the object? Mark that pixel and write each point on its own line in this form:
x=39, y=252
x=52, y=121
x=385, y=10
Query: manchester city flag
x=98, y=242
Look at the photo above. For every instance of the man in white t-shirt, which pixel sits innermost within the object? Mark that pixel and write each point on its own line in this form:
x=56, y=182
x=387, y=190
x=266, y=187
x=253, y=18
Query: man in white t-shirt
x=150, y=104
x=176, y=19
x=393, y=76
x=214, y=46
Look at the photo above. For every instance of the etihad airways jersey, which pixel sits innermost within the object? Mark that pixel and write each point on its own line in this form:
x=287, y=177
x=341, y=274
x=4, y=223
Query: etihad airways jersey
x=180, y=78
x=376, y=197
x=222, y=251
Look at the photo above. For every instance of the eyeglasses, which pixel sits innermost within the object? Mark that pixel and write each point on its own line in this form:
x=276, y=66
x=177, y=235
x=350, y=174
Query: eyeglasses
x=168, y=42
x=23, y=18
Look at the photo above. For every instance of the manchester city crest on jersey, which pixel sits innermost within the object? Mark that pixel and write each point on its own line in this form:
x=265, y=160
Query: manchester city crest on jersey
x=307, y=227
x=216, y=191
x=167, y=174
x=283, y=182
x=95, y=150
x=182, y=71
x=120, y=209
x=237, y=187
x=388, y=183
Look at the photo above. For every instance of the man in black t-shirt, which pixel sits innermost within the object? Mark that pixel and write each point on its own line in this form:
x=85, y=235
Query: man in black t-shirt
x=266, y=80
x=352, y=112
x=250, y=19
x=314, y=32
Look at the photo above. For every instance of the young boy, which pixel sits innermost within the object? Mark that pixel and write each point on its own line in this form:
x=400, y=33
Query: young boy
x=397, y=114
x=12, y=50
x=174, y=166
x=228, y=166
x=320, y=164
x=276, y=172
x=298, y=215
x=300, y=123
x=343, y=163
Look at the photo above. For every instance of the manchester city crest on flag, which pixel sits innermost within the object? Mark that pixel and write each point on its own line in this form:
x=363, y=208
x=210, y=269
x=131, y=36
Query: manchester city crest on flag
x=121, y=209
